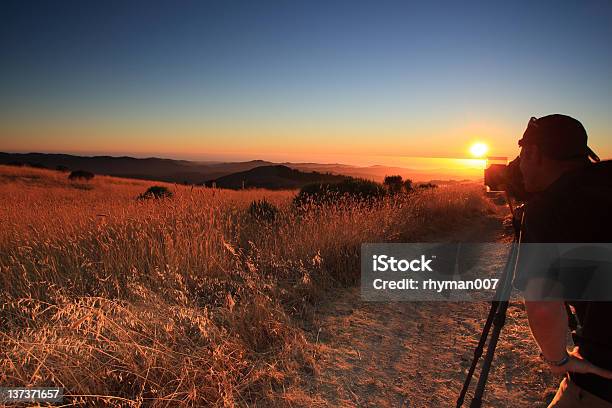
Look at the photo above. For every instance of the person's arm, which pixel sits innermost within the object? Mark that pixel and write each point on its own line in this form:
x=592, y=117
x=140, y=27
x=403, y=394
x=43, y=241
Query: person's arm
x=548, y=324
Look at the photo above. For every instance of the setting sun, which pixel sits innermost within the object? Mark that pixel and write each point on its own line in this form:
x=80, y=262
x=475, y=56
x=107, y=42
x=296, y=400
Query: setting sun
x=478, y=149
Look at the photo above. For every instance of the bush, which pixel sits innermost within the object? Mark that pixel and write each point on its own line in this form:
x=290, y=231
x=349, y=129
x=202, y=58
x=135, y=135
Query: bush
x=81, y=175
x=408, y=185
x=63, y=169
x=427, y=185
x=393, y=184
x=263, y=210
x=327, y=193
x=156, y=192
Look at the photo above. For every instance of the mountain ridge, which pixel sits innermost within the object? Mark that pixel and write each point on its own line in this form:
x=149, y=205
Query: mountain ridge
x=200, y=172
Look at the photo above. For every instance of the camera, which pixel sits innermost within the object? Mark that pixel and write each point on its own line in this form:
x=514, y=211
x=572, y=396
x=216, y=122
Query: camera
x=505, y=177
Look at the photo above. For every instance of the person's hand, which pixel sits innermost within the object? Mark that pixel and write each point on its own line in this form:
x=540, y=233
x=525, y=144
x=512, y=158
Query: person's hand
x=577, y=364
x=517, y=218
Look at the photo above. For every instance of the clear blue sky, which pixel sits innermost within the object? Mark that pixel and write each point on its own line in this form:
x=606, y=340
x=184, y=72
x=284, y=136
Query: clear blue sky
x=298, y=79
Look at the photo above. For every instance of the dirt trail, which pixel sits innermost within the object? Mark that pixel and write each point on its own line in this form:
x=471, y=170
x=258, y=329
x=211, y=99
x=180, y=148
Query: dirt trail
x=416, y=354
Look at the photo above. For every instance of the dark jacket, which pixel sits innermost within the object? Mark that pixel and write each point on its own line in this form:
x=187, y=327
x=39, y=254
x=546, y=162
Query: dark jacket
x=577, y=208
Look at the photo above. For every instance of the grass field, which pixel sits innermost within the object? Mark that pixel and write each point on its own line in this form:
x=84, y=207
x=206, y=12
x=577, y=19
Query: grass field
x=186, y=301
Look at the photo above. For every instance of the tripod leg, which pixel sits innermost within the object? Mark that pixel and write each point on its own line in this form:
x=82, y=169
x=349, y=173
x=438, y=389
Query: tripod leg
x=477, y=353
x=498, y=323
x=485, y=330
x=505, y=289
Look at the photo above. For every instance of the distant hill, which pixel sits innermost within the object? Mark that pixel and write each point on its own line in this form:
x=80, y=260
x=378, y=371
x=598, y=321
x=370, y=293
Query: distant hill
x=174, y=171
x=192, y=172
x=274, y=178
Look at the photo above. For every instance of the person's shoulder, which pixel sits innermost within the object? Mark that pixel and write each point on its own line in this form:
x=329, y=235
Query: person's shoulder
x=574, y=209
x=540, y=222
x=588, y=191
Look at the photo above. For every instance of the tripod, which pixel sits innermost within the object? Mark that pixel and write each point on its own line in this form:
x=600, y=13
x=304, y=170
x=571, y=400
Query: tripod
x=495, y=318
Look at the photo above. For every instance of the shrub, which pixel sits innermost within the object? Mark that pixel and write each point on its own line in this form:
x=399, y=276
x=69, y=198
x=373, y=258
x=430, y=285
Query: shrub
x=427, y=185
x=61, y=168
x=263, y=210
x=81, y=175
x=408, y=185
x=156, y=192
x=327, y=193
x=393, y=184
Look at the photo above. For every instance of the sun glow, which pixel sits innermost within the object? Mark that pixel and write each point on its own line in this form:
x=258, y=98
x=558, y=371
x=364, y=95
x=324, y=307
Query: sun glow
x=478, y=149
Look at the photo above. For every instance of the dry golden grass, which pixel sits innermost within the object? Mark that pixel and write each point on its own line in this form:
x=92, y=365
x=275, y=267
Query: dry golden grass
x=186, y=301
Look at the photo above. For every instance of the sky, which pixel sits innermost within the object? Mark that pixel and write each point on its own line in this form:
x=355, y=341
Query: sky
x=376, y=82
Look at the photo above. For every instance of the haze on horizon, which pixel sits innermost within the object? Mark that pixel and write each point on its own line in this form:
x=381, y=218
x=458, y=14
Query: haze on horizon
x=348, y=82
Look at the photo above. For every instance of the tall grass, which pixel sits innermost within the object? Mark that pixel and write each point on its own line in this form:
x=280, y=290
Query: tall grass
x=188, y=301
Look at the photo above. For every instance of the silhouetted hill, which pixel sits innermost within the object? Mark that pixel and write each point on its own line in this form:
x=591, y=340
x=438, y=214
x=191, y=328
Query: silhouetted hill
x=153, y=168
x=192, y=172
x=274, y=178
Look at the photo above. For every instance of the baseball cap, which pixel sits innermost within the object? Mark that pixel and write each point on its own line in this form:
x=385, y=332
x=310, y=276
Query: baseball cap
x=559, y=136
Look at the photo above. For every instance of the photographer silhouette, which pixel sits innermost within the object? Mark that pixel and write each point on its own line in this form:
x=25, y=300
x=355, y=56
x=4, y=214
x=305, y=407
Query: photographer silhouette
x=570, y=202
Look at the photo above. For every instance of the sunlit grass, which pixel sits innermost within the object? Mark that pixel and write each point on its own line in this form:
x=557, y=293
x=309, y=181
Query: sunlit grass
x=187, y=301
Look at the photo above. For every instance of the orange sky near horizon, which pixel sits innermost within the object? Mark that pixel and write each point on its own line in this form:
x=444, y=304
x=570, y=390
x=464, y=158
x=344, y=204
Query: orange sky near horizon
x=441, y=148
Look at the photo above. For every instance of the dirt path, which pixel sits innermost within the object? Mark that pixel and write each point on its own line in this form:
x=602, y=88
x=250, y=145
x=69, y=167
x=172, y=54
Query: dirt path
x=416, y=354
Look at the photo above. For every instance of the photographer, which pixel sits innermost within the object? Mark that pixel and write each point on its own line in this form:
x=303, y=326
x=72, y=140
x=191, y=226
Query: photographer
x=571, y=201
